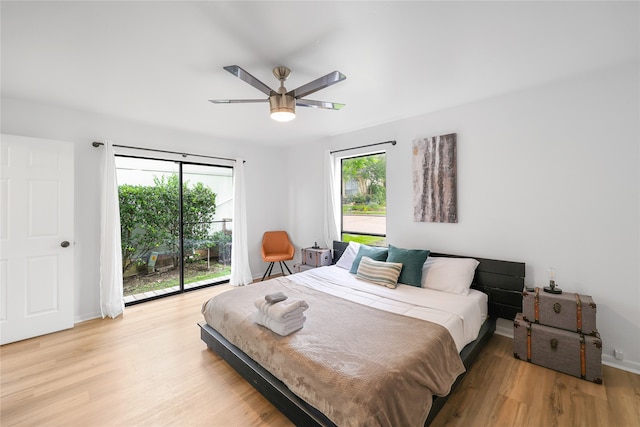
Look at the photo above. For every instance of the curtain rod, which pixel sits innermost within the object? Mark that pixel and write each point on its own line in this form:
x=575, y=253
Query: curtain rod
x=364, y=146
x=98, y=144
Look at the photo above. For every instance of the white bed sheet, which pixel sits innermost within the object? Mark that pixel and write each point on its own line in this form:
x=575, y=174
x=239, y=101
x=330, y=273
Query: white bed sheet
x=462, y=315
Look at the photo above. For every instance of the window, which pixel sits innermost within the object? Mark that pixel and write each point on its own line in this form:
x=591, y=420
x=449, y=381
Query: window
x=364, y=199
x=176, y=224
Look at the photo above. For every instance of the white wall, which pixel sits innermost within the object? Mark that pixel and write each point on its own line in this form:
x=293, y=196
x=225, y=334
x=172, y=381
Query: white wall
x=548, y=176
x=41, y=121
x=306, y=186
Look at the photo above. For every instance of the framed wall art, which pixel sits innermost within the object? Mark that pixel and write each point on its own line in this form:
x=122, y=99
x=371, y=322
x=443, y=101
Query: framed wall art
x=434, y=179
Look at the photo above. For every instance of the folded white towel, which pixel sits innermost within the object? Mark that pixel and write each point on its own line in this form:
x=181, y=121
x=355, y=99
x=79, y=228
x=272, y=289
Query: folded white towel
x=282, y=310
x=283, y=328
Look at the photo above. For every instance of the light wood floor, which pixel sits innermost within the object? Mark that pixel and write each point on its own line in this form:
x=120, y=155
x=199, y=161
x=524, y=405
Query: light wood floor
x=151, y=369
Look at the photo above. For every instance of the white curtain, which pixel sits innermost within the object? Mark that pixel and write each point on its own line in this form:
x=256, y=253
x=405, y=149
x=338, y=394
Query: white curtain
x=331, y=201
x=240, y=269
x=111, y=297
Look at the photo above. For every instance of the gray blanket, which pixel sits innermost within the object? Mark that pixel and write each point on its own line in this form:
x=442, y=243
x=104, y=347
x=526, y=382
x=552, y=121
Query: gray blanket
x=358, y=365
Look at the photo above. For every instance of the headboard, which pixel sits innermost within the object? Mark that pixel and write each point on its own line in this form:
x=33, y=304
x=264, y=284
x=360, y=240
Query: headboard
x=502, y=281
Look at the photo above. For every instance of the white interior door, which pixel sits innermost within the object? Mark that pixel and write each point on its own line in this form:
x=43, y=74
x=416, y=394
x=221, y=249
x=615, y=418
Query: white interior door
x=36, y=237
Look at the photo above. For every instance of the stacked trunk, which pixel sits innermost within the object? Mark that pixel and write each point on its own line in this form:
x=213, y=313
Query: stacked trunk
x=558, y=331
x=316, y=257
x=312, y=258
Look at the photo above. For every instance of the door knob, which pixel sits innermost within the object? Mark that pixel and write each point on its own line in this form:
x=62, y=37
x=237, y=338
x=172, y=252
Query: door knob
x=64, y=244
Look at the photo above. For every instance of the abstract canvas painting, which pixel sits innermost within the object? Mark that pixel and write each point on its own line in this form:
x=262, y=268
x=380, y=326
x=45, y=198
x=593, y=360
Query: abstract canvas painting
x=434, y=179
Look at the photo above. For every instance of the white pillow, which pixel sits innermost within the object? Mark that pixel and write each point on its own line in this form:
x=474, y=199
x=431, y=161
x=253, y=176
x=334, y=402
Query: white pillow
x=453, y=275
x=349, y=254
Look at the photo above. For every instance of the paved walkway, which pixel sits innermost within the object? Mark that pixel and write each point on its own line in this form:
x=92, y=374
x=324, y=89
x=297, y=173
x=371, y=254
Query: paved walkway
x=364, y=224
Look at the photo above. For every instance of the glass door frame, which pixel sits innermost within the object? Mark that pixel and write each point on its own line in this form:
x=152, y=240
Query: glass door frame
x=181, y=251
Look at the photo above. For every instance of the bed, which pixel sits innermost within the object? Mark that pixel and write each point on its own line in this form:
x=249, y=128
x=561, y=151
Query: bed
x=366, y=308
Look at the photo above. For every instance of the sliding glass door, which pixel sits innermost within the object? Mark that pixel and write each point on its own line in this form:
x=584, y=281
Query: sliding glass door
x=207, y=200
x=176, y=223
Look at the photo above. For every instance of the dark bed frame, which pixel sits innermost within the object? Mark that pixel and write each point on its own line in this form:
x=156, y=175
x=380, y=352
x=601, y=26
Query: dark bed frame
x=502, y=281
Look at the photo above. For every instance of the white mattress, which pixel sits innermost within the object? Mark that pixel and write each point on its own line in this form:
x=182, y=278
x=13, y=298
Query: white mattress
x=462, y=315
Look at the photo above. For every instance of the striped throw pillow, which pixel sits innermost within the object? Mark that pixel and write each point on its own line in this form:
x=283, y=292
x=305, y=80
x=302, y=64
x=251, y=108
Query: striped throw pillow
x=379, y=272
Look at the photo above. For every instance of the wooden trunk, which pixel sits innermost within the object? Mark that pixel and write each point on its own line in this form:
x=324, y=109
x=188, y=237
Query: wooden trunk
x=567, y=310
x=564, y=351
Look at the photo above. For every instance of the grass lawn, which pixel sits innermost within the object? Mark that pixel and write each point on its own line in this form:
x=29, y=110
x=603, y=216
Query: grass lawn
x=365, y=240
x=153, y=282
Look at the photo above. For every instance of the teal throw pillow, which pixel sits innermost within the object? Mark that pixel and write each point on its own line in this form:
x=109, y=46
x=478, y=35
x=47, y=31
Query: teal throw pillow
x=375, y=253
x=412, y=261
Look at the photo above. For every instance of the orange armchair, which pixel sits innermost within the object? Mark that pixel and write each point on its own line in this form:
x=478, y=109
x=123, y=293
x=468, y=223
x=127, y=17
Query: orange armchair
x=276, y=247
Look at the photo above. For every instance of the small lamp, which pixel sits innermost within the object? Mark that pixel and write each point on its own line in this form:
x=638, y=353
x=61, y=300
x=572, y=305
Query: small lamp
x=552, y=289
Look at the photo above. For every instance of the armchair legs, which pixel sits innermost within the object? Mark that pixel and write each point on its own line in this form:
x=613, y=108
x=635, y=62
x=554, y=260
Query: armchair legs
x=270, y=268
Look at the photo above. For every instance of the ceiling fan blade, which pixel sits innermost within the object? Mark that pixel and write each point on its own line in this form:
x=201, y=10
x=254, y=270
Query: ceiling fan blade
x=237, y=101
x=243, y=75
x=321, y=83
x=319, y=104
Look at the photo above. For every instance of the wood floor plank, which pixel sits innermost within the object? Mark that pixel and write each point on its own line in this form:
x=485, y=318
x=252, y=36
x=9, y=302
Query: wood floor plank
x=150, y=368
x=526, y=395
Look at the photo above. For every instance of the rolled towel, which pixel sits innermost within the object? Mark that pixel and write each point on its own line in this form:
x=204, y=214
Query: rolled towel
x=282, y=310
x=281, y=328
x=275, y=297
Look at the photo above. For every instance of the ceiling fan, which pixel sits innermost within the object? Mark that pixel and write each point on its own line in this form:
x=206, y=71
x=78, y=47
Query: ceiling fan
x=282, y=102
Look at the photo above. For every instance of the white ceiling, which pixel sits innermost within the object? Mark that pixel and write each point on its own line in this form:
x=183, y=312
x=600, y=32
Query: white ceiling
x=160, y=62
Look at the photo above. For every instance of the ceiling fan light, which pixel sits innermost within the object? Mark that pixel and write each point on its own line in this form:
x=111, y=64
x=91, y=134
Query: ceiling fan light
x=283, y=116
x=283, y=107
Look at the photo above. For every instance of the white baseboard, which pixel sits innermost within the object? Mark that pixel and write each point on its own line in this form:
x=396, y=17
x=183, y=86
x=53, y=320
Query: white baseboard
x=85, y=317
x=504, y=328
x=624, y=365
